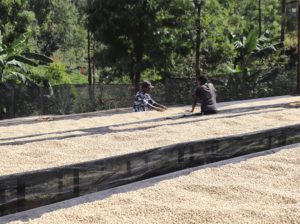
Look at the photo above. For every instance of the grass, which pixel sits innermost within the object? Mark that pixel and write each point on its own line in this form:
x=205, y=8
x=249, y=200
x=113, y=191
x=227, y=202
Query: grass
x=77, y=78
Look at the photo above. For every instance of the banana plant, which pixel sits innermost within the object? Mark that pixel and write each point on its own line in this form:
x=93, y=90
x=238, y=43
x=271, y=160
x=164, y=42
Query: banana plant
x=13, y=60
x=251, y=52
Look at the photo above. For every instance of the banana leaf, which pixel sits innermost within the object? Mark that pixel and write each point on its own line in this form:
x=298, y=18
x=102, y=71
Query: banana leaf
x=20, y=76
x=2, y=52
x=20, y=41
x=15, y=63
x=265, y=52
x=24, y=60
x=251, y=41
x=253, y=77
x=238, y=44
x=1, y=61
x=269, y=76
x=38, y=57
x=279, y=45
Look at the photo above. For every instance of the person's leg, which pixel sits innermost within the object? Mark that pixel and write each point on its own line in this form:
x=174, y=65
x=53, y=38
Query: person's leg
x=209, y=112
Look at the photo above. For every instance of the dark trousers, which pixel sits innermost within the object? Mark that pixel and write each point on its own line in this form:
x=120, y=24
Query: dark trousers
x=209, y=112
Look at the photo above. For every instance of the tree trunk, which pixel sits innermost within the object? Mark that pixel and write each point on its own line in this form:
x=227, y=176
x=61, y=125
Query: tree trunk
x=137, y=70
x=11, y=107
x=90, y=87
x=298, y=64
x=198, y=37
x=283, y=19
x=89, y=58
x=139, y=53
x=93, y=62
x=1, y=76
x=259, y=18
x=136, y=81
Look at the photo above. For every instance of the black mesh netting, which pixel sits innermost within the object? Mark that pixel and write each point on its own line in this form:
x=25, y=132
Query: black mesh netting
x=21, y=100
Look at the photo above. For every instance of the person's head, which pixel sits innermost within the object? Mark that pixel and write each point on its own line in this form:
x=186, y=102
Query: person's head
x=147, y=86
x=201, y=80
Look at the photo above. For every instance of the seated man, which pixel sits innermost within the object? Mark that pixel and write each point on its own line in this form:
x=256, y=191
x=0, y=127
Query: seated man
x=206, y=94
x=143, y=100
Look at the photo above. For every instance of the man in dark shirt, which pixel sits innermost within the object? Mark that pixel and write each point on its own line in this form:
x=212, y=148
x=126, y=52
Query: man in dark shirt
x=143, y=101
x=206, y=95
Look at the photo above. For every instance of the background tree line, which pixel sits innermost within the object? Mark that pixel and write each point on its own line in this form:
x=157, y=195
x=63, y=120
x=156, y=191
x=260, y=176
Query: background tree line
x=111, y=41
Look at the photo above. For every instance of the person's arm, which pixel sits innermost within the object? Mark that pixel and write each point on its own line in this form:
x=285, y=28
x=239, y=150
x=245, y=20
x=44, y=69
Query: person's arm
x=194, y=103
x=160, y=105
x=213, y=89
x=155, y=106
x=151, y=106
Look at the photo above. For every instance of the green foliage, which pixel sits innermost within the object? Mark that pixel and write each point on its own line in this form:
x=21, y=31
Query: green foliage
x=13, y=60
x=57, y=74
x=141, y=39
x=77, y=78
x=216, y=23
x=252, y=56
x=14, y=20
x=141, y=35
x=145, y=39
x=60, y=30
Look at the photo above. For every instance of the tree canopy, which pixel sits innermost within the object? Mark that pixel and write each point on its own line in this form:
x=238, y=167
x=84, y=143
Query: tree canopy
x=123, y=41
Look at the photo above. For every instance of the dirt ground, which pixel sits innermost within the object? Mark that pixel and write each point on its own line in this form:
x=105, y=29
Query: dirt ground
x=43, y=142
x=263, y=189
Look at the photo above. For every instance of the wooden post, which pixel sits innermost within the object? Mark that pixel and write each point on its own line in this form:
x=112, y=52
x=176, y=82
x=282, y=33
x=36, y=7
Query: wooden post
x=2, y=201
x=76, y=182
x=21, y=194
